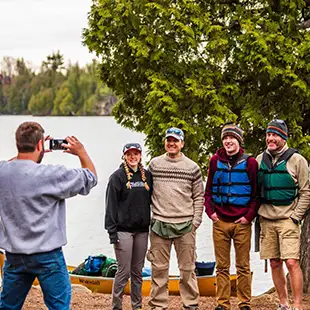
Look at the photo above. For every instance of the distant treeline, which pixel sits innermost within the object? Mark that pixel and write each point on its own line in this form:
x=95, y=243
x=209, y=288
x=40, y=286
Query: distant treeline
x=54, y=90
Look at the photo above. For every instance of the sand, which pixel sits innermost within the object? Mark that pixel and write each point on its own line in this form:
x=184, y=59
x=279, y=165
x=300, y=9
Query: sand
x=83, y=299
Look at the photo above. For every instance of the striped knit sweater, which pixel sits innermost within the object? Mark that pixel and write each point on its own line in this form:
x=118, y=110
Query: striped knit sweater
x=178, y=193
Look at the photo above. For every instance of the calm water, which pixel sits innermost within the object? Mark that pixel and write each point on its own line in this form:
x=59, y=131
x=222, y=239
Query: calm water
x=104, y=139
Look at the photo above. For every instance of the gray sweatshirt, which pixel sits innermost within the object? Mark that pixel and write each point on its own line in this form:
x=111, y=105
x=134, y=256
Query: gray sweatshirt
x=32, y=204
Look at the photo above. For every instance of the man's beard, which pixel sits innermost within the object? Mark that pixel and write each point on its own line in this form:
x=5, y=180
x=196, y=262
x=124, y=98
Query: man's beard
x=40, y=157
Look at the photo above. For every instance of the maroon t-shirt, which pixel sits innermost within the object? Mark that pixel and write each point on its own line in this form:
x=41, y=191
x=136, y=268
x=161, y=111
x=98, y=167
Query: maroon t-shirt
x=227, y=212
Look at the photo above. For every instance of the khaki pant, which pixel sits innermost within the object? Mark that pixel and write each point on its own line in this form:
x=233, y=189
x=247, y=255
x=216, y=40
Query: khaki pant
x=159, y=256
x=223, y=234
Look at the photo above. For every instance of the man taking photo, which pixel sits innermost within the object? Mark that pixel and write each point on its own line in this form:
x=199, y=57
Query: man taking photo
x=33, y=218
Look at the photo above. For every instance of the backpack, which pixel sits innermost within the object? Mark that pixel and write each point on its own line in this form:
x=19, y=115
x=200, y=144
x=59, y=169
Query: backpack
x=99, y=265
x=93, y=264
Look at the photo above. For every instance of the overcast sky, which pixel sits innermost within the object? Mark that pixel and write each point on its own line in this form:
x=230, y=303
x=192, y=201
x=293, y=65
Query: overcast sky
x=33, y=29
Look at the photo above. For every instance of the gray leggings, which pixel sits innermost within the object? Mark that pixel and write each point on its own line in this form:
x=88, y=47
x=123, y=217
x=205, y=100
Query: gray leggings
x=130, y=254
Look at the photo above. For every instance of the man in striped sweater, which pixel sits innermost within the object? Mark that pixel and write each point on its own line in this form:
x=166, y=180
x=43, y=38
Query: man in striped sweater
x=177, y=207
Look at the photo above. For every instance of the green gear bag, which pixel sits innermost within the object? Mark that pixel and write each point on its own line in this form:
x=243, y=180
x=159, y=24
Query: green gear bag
x=109, y=268
x=107, y=265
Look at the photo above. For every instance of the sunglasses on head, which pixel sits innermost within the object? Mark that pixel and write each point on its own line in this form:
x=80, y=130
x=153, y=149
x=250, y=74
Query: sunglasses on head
x=280, y=121
x=135, y=145
x=176, y=131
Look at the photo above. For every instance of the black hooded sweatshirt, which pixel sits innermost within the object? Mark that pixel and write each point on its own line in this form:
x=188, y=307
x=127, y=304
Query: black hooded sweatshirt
x=127, y=209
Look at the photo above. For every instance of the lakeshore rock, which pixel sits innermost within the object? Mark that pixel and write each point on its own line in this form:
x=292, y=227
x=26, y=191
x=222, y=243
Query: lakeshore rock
x=80, y=289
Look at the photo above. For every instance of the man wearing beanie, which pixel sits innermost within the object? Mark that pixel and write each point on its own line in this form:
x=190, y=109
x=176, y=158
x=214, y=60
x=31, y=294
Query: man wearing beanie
x=230, y=203
x=285, y=197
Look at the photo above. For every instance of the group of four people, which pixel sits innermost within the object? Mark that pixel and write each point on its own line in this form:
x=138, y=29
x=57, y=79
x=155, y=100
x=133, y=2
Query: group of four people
x=275, y=185
x=33, y=222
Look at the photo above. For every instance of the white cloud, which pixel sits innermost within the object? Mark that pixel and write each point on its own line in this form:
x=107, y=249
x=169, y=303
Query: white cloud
x=33, y=29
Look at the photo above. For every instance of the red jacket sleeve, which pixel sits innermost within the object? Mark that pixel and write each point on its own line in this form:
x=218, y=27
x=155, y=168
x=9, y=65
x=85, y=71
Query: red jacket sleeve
x=252, y=169
x=208, y=192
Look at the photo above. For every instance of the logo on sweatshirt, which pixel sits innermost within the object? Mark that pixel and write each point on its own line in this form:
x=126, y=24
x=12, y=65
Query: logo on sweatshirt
x=137, y=184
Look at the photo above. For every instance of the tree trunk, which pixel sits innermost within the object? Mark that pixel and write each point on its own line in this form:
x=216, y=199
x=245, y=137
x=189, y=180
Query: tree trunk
x=305, y=253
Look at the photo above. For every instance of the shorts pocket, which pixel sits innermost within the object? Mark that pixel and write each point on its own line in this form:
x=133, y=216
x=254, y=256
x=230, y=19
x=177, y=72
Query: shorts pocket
x=290, y=248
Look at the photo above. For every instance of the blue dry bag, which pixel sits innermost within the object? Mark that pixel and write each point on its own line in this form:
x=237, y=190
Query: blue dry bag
x=93, y=264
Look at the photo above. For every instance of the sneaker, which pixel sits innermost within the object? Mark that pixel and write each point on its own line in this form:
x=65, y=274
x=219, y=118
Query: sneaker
x=283, y=307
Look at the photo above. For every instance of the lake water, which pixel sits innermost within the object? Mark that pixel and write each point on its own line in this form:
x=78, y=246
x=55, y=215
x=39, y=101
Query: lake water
x=103, y=138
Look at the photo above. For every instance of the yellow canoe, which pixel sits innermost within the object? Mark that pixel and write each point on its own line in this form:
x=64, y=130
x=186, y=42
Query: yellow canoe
x=206, y=284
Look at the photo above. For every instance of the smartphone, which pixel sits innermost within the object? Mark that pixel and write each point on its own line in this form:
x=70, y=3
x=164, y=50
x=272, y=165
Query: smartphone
x=55, y=144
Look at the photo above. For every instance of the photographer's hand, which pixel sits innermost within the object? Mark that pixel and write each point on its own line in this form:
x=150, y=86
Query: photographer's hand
x=46, y=139
x=75, y=147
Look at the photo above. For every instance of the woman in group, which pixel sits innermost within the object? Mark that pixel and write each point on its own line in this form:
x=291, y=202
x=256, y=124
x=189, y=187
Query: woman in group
x=127, y=221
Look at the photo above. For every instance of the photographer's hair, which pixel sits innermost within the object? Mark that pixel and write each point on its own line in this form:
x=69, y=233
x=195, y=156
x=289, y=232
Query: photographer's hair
x=129, y=175
x=27, y=135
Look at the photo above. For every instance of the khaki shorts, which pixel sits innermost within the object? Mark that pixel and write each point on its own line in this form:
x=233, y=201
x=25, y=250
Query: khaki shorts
x=279, y=239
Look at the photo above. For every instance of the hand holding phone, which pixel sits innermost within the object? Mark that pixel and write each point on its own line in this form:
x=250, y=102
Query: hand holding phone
x=56, y=144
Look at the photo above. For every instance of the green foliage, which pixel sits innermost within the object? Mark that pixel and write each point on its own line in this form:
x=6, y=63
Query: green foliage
x=15, y=99
x=54, y=62
x=63, y=103
x=42, y=102
x=54, y=90
x=199, y=64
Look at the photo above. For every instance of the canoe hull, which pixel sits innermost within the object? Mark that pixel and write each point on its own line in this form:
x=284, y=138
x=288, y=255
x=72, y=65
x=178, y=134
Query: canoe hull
x=206, y=284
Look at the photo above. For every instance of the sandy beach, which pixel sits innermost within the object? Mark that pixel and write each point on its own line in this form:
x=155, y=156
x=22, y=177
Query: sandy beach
x=83, y=299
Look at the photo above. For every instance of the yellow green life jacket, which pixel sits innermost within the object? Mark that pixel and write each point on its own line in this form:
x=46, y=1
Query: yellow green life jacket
x=276, y=185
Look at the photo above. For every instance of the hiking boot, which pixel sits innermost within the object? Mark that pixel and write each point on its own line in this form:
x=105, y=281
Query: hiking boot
x=283, y=307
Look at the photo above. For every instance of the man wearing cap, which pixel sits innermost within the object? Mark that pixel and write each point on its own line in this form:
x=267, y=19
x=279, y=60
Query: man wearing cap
x=230, y=203
x=285, y=197
x=177, y=207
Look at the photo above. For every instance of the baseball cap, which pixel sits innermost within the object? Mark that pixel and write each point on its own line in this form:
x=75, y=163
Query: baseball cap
x=132, y=146
x=175, y=133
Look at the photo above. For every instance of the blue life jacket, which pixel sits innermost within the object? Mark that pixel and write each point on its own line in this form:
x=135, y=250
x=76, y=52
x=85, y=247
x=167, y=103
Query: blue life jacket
x=231, y=184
